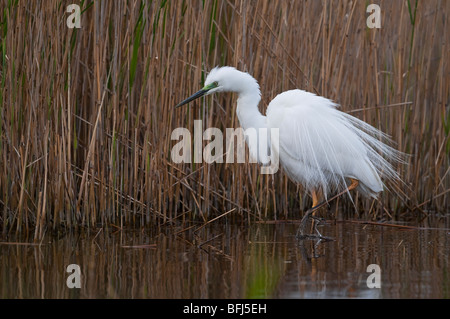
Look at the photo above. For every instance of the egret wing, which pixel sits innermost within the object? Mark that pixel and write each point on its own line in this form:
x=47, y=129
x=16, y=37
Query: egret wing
x=317, y=146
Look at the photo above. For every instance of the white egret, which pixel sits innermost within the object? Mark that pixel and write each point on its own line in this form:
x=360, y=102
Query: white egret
x=319, y=147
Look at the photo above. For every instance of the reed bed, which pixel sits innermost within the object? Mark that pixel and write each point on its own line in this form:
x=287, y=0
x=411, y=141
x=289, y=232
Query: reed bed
x=87, y=114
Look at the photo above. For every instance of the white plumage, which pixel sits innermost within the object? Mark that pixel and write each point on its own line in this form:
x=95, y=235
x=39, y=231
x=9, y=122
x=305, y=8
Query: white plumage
x=321, y=146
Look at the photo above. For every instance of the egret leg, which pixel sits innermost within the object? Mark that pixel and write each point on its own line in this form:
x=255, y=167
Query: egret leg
x=315, y=198
x=310, y=213
x=354, y=183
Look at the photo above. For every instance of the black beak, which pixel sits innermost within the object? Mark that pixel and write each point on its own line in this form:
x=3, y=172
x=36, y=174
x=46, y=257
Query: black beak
x=192, y=97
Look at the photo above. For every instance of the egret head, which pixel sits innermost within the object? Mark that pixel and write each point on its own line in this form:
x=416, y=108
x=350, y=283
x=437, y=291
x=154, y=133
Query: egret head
x=225, y=79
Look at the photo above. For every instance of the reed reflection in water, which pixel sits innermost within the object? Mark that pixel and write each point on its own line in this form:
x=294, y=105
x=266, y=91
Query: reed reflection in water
x=227, y=261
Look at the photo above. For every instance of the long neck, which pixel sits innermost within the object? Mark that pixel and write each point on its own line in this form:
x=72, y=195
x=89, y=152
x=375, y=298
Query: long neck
x=247, y=110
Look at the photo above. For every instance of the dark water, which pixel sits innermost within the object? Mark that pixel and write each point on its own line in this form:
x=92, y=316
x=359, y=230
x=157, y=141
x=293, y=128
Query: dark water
x=228, y=261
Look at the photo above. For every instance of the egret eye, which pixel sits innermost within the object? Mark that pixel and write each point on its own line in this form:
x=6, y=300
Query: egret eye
x=211, y=86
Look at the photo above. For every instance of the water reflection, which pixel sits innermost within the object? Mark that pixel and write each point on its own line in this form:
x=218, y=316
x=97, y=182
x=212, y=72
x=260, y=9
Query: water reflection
x=227, y=261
